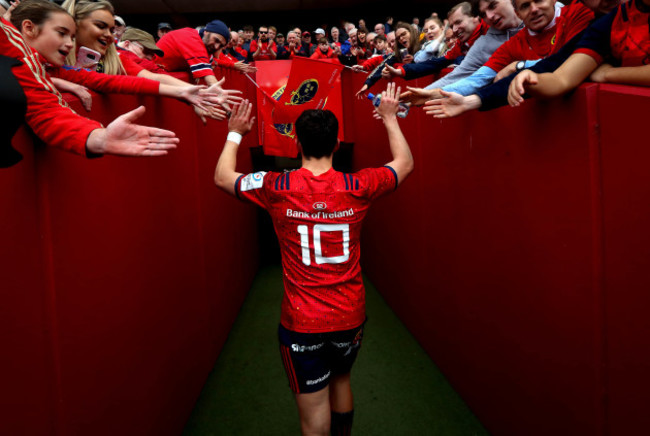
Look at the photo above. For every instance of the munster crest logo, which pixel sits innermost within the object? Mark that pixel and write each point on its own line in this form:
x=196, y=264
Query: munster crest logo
x=303, y=94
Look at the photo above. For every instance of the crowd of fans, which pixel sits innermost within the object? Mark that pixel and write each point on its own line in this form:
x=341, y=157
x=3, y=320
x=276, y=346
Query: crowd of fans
x=484, y=54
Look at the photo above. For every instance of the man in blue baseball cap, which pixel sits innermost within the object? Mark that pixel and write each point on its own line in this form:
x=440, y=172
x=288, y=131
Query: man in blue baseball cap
x=187, y=50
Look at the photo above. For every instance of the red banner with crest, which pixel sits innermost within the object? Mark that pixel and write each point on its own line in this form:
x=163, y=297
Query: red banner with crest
x=286, y=89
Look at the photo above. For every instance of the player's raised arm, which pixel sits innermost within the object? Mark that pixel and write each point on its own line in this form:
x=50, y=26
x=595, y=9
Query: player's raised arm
x=402, y=161
x=239, y=125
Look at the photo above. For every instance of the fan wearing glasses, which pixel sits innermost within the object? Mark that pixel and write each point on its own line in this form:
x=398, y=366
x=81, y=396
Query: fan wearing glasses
x=262, y=49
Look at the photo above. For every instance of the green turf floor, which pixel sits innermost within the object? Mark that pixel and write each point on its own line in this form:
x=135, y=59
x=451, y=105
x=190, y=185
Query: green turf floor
x=397, y=389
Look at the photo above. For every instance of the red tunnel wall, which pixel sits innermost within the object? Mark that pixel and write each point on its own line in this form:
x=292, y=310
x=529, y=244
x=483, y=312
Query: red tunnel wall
x=121, y=279
x=517, y=254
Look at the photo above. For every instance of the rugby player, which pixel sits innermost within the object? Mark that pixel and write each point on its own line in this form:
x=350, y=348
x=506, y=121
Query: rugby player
x=317, y=213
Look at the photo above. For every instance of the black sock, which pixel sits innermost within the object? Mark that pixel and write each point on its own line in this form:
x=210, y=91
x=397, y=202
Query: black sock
x=341, y=423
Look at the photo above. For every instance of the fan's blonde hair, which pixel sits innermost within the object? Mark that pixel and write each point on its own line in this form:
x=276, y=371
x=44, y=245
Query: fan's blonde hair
x=79, y=11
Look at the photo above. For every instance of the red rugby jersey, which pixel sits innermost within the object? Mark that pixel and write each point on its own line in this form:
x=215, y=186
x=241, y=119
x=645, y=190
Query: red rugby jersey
x=622, y=35
x=573, y=19
x=184, y=50
x=318, y=222
x=224, y=60
x=265, y=50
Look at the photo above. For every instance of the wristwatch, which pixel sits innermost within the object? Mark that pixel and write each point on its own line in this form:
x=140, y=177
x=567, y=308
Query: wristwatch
x=520, y=65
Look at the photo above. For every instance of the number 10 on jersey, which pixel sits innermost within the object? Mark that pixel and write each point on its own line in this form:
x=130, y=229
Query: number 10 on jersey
x=318, y=250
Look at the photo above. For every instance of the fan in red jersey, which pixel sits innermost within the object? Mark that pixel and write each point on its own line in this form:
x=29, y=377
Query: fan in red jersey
x=614, y=49
x=317, y=213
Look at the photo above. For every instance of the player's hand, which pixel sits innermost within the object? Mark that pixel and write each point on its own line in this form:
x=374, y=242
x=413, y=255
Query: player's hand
x=123, y=137
x=518, y=87
x=389, y=104
x=241, y=120
x=506, y=71
x=449, y=105
x=599, y=75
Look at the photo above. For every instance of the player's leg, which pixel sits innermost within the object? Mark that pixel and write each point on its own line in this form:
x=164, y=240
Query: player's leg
x=346, y=344
x=341, y=399
x=341, y=405
x=308, y=371
x=314, y=410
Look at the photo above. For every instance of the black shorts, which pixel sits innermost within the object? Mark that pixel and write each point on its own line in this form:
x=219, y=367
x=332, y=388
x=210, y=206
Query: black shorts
x=311, y=358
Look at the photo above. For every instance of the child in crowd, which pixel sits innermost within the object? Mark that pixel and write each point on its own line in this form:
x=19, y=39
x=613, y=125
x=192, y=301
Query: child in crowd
x=324, y=51
x=381, y=46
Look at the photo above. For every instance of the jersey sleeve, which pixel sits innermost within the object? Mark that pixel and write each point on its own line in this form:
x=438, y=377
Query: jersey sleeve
x=255, y=187
x=196, y=56
x=595, y=41
x=505, y=54
x=131, y=67
x=108, y=83
x=578, y=18
x=377, y=181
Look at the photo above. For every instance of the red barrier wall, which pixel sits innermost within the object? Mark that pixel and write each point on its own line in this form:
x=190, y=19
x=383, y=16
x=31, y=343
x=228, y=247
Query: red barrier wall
x=121, y=279
x=517, y=254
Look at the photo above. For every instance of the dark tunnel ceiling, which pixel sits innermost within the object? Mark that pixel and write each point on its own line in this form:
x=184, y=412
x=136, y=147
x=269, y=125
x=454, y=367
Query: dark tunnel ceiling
x=198, y=6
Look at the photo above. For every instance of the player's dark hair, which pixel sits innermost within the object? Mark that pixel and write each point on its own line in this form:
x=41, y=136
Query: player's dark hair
x=317, y=132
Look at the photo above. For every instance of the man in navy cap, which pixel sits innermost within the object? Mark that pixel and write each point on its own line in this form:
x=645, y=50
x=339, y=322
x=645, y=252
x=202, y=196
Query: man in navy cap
x=187, y=50
x=164, y=28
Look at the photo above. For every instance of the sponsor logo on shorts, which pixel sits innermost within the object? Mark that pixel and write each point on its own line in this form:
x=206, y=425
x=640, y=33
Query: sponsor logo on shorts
x=341, y=344
x=302, y=348
x=318, y=380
